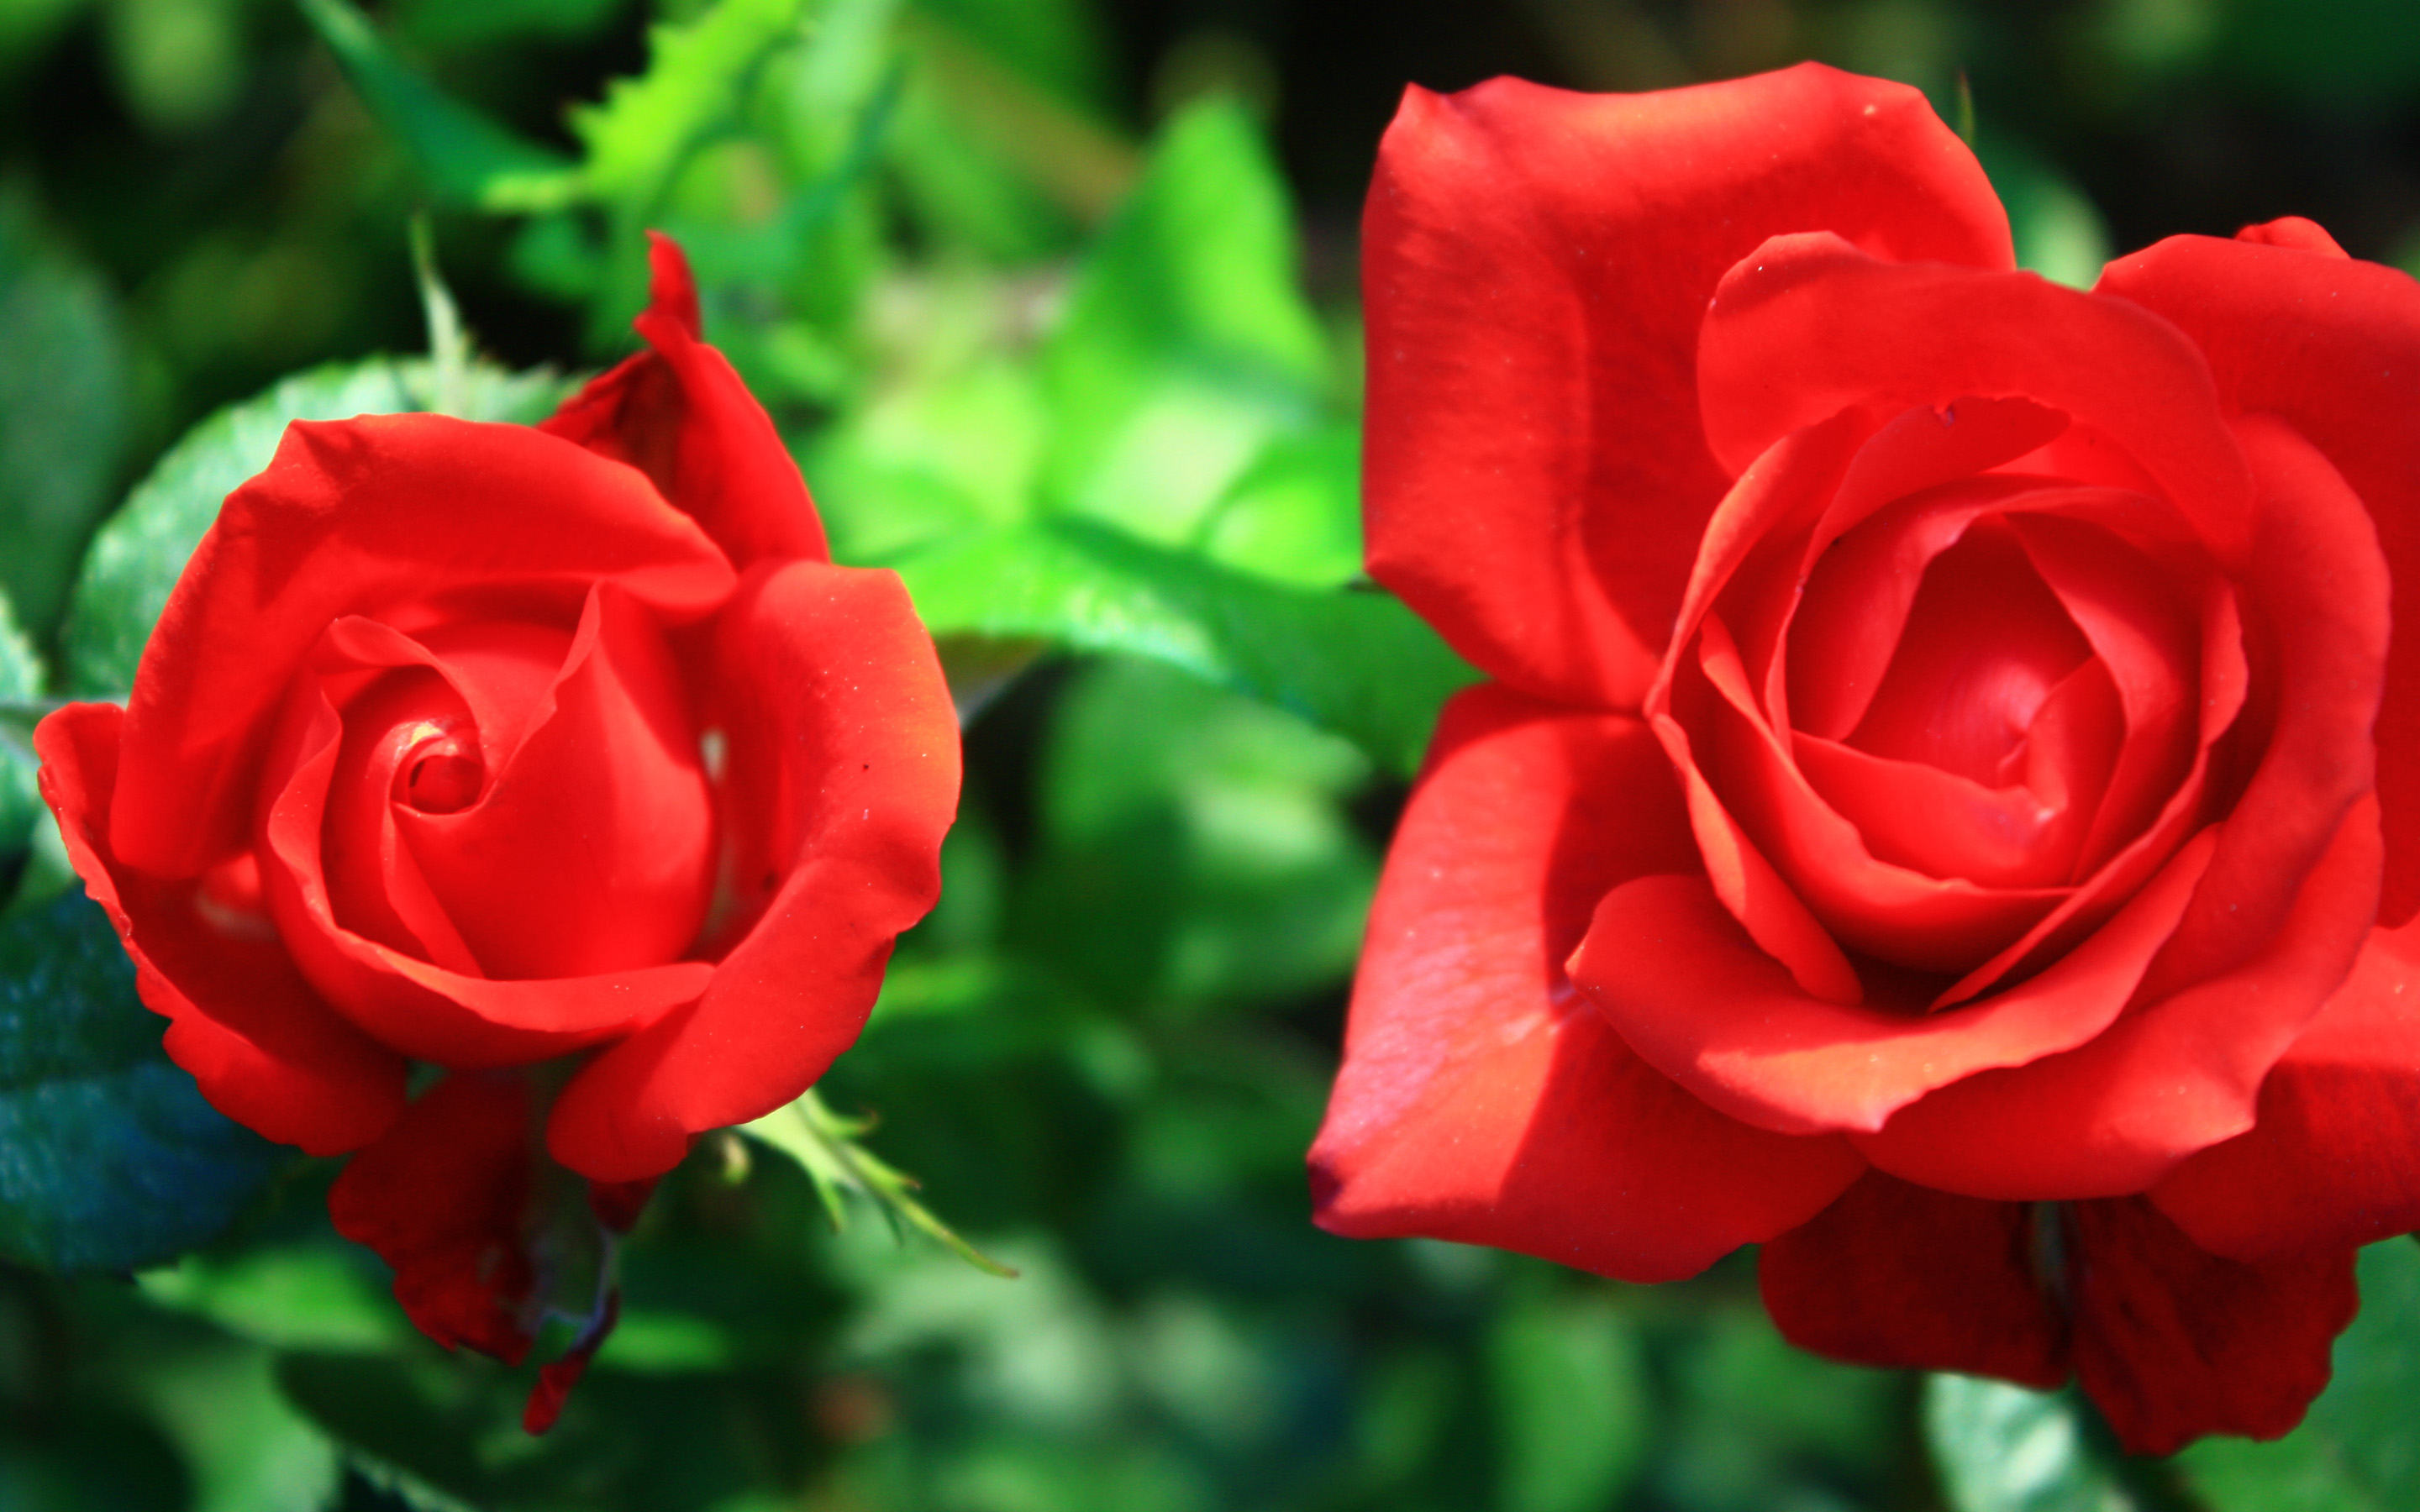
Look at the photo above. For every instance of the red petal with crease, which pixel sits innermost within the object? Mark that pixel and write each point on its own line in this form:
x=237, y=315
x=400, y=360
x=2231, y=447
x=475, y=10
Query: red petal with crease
x=2332, y=346
x=339, y=523
x=1479, y=1101
x=2173, y=1342
x=1895, y=1276
x=2168, y=1079
x=681, y=414
x=1685, y=987
x=1809, y=325
x=2335, y=1160
x=444, y=1198
x=1535, y=267
x=844, y=773
x=266, y=1051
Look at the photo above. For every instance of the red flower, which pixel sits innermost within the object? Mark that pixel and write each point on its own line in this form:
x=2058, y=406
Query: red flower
x=495, y=747
x=1947, y=806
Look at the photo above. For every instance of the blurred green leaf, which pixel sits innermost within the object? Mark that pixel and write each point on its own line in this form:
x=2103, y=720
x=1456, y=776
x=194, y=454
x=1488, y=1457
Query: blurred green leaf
x=1571, y=1402
x=464, y=24
x=2001, y=1448
x=2058, y=232
x=2356, y=1451
x=109, y=1158
x=324, y=1296
x=64, y=406
x=697, y=74
x=20, y=708
x=1056, y=43
x=469, y=158
x=1359, y=664
x=1294, y=515
x=1186, y=343
x=138, y=555
x=246, y=1448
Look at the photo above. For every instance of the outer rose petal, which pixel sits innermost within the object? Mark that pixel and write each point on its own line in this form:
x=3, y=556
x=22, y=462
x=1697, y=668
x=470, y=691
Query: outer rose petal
x=263, y=1047
x=2172, y=1342
x=2332, y=346
x=445, y=1198
x=1480, y=1101
x=1536, y=266
x=681, y=415
x=340, y=523
x=1898, y=1275
x=842, y=777
x=1809, y=325
x=2335, y=1160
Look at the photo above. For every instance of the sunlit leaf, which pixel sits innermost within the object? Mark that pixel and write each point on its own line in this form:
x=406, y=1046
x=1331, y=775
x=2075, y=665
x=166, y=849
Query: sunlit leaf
x=109, y=1158
x=1357, y=663
x=696, y=75
x=1188, y=343
x=138, y=554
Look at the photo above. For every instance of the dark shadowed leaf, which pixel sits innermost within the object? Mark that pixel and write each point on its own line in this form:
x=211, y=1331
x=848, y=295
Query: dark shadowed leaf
x=109, y=1158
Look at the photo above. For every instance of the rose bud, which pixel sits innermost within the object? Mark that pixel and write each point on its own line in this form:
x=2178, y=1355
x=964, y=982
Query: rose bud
x=1947, y=805
x=561, y=760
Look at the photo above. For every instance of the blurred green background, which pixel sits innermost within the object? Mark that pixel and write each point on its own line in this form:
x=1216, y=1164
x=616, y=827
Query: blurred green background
x=1055, y=302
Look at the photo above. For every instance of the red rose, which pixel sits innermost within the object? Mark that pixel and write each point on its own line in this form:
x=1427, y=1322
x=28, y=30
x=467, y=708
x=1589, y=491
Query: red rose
x=1947, y=806
x=494, y=748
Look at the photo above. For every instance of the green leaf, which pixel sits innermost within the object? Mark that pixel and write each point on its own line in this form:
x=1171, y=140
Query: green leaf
x=138, y=555
x=1357, y=663
x=1571, y=1402
x=1296, y=512
x=20, y=708
x=2059, y=232
x=109, y=1158
x=697, y=74
x=1187, y=344
x=2355, y=1452
x=63, y=401
x=2001, y=1448
x=469, y=158
x=327, y=1297
x=246, y=1449
x=827, y=1146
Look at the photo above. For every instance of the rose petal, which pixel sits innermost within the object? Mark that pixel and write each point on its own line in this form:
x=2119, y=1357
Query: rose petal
x=2171, y=1077
x=1535, y=267
x=1895, y=1276
x=414, y=1006
x=591, y=850
x=1684, y=985
x=2331, y=345
x=679, y=413
x=340, y=523
x=2172, y=1342
x=2335, y=1160
x=266, y=1051
x=1809, y=325
x=444, y=1197
x=843, y=767
x=1480, y=1101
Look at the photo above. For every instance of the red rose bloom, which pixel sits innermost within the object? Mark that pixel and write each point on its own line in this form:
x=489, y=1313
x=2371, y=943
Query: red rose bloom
x=495, y=747
x=1948, y=805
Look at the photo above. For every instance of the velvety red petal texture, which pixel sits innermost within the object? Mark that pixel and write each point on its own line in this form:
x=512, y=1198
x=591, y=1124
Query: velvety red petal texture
x=681, y=415
x=1535, y=267
x=1810, y=324
x=340, y=523
x=2168, y=1079
x=1897, y=1276
x=2330, y=346
x=842, y=777
x=445, y=1198
x=1480, y=1099
x=265, y=1050
x=2172, y=1342
x=2335, y=1160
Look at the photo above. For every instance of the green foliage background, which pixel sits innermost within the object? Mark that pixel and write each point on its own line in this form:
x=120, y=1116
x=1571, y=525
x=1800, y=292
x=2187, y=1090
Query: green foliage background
x=1054, y=301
